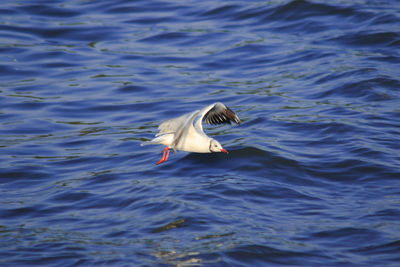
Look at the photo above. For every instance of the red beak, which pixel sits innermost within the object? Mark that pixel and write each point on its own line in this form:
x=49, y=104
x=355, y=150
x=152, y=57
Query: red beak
x=224, y=150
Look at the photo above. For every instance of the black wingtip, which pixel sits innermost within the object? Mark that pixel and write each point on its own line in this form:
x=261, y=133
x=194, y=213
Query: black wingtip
x=220, y=114
x=231, y=116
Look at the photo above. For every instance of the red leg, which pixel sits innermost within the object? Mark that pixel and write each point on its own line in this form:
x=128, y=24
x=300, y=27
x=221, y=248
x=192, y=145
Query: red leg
x=167, y=155
x=163, y=157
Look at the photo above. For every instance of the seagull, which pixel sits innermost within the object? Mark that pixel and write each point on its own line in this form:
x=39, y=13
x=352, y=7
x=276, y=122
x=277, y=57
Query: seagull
x=186, y=132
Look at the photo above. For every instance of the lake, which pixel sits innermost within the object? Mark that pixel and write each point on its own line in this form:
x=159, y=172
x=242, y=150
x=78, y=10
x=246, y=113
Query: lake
x=312, y=177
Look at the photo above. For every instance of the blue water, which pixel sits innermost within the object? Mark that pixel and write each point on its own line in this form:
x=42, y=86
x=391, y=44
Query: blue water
x=313, y=173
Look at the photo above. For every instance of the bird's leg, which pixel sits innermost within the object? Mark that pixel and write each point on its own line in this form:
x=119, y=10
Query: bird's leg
x=163, y=157
x=167, y=154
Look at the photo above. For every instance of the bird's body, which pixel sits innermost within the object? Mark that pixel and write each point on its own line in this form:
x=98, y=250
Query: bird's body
x=186, y=132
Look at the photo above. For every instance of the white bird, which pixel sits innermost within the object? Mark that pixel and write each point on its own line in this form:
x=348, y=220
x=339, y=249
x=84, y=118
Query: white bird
x=186, y=133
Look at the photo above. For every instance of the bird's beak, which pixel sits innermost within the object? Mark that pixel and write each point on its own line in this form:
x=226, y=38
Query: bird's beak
x=224, y=150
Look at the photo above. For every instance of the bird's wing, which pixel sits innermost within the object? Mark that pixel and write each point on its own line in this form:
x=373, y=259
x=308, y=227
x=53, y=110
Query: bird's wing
x=185, y=128
x=173, y=125
x=216, y=113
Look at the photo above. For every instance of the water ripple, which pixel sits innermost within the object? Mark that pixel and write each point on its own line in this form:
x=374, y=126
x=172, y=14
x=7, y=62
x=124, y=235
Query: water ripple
x=311, y=177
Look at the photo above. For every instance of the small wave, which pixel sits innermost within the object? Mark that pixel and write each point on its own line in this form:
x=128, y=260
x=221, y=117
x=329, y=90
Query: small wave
x=261, y=254
x=370, y=89
x=386, y=250
x=368, y=39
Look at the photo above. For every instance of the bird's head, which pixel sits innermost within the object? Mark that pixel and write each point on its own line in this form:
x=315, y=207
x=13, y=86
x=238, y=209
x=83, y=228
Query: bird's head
x=215, y=146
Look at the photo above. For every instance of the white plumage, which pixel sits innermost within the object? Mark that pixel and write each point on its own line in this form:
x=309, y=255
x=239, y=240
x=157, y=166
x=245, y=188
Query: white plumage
x=186, y=132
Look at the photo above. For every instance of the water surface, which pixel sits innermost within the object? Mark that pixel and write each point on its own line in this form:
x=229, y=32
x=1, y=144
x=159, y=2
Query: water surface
x=312, y=177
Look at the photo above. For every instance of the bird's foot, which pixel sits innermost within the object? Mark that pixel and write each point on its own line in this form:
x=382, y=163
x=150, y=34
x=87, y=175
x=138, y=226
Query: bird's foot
x=164, y=157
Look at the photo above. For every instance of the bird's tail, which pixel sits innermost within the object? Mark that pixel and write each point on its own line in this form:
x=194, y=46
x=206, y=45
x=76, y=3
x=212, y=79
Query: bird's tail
x=151, y=142
x=162, y=139
x=145, y=143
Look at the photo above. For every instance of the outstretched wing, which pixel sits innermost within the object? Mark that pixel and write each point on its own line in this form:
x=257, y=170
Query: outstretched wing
x=220, y=114
x=185, y=128
x=216, y=113
x=173, y=125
